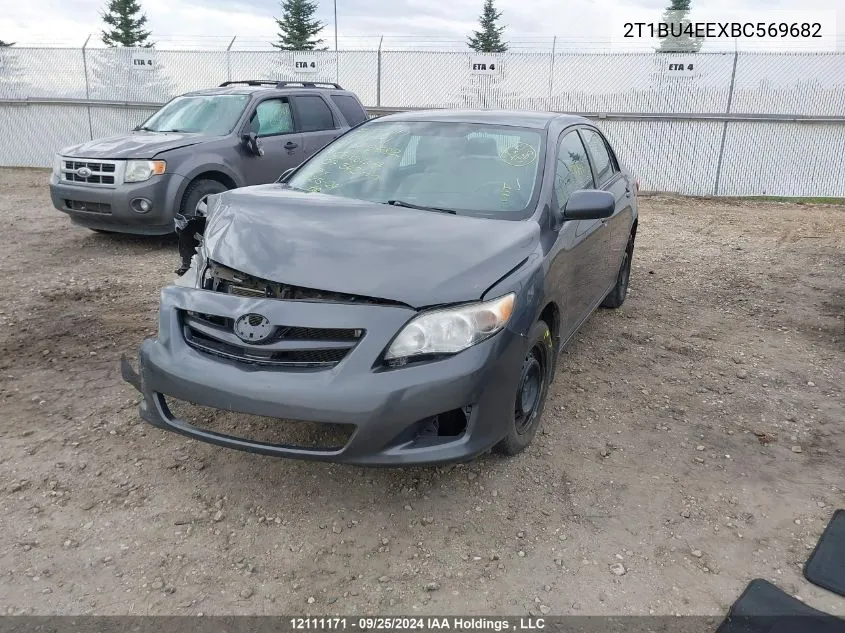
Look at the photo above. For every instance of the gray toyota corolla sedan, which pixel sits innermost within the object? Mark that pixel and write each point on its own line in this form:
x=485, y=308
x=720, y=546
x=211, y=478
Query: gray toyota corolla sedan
x=412, y=283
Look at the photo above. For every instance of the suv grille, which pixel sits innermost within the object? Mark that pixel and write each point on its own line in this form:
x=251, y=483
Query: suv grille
x=293, y=347
x=98, y=173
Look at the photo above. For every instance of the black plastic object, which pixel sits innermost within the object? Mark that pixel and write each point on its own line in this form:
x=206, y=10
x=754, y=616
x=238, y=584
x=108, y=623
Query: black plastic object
x=763, y=608
x=826, y=566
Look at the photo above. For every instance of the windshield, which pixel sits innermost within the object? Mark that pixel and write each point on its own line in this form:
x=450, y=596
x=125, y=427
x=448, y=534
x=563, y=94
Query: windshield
x=477, y=169
x=214, y=115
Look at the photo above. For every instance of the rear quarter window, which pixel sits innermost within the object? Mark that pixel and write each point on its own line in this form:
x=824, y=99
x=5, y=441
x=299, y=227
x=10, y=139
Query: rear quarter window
x=350, y=109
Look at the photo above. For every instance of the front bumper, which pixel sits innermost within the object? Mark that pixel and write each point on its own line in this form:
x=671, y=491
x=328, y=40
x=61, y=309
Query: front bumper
x=384, y=405
x=108, y=208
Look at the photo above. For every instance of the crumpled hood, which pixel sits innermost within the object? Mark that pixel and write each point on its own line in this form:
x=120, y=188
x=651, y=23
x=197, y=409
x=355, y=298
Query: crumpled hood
x=133, y=145
x=323, y=242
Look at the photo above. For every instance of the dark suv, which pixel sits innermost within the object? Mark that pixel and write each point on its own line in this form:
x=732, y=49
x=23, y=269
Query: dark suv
x=202, y=143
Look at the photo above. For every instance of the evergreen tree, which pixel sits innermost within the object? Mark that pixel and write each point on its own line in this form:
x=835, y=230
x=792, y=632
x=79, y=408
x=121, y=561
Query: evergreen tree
x=298, y=28
x=489, y=38
x=126, y=25
x=676, y=18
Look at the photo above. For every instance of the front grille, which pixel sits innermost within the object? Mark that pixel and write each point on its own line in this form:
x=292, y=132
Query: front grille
x=90, y=207
x=291, y=347
x=224, y=279
x=102, y=173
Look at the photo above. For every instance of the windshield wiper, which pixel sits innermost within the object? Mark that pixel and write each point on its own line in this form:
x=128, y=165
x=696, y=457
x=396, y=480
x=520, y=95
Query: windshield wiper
x=409, y=205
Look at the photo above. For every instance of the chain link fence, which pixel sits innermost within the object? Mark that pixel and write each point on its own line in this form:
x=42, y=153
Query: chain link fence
x=707, y=123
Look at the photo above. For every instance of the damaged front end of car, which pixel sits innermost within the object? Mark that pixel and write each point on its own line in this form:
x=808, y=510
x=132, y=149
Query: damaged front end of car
x=236, y=340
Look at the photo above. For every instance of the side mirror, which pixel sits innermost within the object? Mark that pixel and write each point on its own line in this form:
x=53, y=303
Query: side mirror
x=250, y=139
x=589, y=204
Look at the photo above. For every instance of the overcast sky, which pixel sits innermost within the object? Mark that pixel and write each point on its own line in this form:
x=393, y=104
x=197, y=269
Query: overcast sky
x=196, y=21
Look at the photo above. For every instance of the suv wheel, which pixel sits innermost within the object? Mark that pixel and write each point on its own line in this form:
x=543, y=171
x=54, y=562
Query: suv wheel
x=534, y=379
x=197, y=193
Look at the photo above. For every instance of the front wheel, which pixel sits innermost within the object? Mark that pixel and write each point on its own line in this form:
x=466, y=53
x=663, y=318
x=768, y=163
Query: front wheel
x=534, y=379
x=194, y=205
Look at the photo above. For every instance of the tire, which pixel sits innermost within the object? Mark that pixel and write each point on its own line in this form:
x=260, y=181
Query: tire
x=529, y=401
x=197, y=191
x=616, y=297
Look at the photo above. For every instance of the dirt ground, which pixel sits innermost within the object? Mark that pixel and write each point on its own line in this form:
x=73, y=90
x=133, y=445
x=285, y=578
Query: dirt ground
x=695, y=437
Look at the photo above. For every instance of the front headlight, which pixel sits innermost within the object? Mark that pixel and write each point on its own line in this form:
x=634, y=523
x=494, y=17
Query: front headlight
x=451, y=330
x=141, y=170
x=57, y=164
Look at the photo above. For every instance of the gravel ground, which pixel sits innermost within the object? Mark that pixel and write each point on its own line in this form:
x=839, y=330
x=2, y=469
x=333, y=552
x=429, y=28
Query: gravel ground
x=693, y=440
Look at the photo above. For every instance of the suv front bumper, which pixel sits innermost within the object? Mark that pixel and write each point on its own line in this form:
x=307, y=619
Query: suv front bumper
x=384, y=405
x=108, y=208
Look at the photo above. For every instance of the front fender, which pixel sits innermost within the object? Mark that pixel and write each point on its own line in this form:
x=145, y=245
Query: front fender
x=527, y=281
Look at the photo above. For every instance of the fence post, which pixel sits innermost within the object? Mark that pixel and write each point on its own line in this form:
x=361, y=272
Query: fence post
x=378, y=72
x=725, y=127
x=229, y=59
x=552, y=72
x=87, y=87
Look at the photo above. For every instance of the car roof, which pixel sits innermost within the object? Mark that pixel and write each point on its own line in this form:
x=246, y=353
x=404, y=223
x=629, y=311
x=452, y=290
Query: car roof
x=516, y=118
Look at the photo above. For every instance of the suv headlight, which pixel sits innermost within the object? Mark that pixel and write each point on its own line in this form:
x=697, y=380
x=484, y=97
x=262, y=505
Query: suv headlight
x=451, y=330
x=141, y=170
x=57, y=164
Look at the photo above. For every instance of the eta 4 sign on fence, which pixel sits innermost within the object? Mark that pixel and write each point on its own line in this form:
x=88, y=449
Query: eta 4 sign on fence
x=142, y=61
x=482, y=65
x=305, y=65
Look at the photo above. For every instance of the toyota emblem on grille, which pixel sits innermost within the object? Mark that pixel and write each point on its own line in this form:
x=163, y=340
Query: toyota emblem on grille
x=253, y=328
x=84, y=172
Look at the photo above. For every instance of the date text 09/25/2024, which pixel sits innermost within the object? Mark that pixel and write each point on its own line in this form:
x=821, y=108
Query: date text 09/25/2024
x=458, y=623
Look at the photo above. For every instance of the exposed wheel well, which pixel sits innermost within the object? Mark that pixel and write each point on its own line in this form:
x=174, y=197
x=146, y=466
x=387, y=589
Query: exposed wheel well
x=551, y=316
x=219, y=176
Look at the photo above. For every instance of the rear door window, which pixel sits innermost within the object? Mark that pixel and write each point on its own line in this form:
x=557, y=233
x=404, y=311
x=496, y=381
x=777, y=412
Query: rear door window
x=350, y=109
x=313, y=113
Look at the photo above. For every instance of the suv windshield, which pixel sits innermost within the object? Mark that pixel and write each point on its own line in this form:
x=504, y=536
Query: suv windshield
x=213, y=115
x=477, y=169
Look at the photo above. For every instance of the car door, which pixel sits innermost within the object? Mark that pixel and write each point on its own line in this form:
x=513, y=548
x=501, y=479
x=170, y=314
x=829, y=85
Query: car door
x=610, y=178
x=316, y=122
x=273, y=121
x=578, y=259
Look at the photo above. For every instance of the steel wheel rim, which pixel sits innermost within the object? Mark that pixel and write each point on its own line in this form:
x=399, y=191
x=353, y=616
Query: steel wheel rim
x=532, y=382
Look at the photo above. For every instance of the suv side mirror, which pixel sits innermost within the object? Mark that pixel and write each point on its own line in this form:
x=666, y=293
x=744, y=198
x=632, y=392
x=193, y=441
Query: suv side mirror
x=250, y=139
x=589, y=204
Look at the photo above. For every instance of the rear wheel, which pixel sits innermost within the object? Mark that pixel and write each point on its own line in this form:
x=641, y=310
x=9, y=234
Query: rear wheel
x=616, y=297
x=534, y=379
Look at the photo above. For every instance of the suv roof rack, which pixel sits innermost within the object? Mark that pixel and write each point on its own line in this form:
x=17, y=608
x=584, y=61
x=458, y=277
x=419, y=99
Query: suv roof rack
x=282, y=84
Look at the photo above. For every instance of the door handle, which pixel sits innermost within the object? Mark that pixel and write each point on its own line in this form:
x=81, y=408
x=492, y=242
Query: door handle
x=291, y=145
